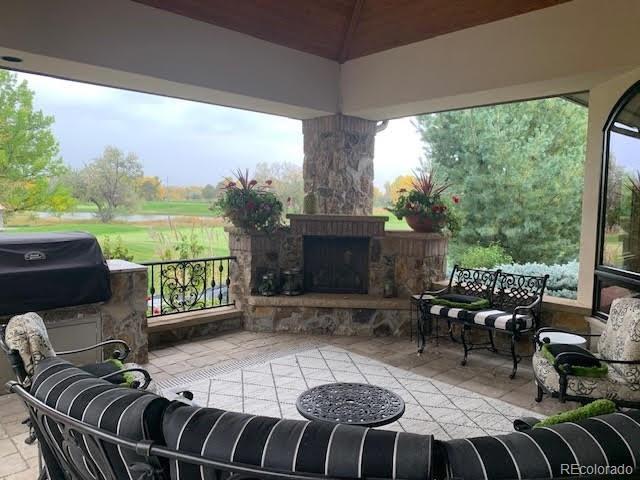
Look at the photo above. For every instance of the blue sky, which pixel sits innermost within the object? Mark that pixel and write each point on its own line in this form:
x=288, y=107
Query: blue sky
x=190, y=143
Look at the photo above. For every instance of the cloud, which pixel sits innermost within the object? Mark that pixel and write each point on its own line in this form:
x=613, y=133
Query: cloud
x=188, y=142
x=398, y=150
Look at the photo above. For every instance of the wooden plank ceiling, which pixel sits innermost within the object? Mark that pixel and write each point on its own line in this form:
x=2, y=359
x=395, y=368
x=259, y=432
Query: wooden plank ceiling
x=345, y=29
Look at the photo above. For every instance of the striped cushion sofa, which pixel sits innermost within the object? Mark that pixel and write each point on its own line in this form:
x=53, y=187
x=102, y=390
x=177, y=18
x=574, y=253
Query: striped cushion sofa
x=514, y=305
x=91, y=429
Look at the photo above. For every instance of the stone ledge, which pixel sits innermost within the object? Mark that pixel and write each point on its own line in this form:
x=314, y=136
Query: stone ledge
x=190, y=319
x=121, y=266
x=410, y=234
x=331, y=300
x=567, y=305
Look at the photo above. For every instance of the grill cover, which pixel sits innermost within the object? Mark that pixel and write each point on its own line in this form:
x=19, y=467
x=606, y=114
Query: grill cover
x=50, y=270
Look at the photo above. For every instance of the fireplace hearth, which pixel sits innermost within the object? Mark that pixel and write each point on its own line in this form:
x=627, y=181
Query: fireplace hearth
x=336, y=264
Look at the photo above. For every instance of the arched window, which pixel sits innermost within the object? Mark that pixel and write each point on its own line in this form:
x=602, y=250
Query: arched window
x=618, y=261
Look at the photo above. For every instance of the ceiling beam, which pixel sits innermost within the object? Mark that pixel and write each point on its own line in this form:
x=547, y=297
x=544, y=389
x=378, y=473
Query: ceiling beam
x=351, y=30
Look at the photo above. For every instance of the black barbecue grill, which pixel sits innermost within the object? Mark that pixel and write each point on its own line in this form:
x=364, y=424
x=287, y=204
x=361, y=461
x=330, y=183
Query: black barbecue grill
x=51, y=270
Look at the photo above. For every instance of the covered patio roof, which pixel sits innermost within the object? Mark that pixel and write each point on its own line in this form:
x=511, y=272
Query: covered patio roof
x=371, y=59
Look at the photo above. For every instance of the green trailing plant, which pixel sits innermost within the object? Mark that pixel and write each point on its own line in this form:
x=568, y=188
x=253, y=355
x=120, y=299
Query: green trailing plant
x=599, y=407
x=249, y=205
x=425, y=199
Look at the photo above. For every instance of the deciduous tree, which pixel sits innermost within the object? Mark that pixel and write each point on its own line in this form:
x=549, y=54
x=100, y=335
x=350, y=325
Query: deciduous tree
x=30, y=165
x=150, y=188
x=109, y=182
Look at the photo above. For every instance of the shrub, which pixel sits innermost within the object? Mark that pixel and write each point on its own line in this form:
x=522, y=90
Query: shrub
x=563, y=279
x=116, y=250
x=484, y=257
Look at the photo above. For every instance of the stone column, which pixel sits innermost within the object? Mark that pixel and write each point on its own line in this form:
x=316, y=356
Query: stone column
x=338, y=165
x=124, y=315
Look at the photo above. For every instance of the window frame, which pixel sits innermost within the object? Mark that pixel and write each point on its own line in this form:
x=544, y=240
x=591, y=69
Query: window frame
x=605, y=273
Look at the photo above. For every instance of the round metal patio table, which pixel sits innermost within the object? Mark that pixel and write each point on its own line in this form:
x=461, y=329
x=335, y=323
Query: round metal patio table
x=351, y=403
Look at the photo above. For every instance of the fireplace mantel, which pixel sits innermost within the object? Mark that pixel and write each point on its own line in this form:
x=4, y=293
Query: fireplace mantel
x=338, y=225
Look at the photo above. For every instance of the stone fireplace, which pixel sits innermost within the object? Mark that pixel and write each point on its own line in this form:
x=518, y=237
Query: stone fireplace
x=346, y=254
x=347, y=260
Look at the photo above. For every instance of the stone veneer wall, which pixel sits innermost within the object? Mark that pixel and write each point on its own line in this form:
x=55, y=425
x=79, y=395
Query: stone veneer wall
x=338, y=164
x=310, y=319
x=124, y=315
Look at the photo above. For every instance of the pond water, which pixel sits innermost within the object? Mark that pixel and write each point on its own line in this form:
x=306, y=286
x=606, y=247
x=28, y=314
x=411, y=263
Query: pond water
x=119, y=218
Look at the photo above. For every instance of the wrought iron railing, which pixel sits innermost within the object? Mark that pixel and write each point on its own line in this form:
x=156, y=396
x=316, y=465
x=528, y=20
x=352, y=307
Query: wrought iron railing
x=187, y=285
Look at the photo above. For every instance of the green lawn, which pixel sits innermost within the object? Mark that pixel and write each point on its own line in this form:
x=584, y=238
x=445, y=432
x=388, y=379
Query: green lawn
x=137, y=238
x=163, y=207
x=393, y=223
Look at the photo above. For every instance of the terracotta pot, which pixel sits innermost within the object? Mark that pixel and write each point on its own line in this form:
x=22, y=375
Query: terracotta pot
x=421, y=224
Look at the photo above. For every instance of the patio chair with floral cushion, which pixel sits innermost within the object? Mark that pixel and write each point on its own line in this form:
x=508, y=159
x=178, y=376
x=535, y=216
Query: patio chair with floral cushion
x=25, y=341
x=613, y=373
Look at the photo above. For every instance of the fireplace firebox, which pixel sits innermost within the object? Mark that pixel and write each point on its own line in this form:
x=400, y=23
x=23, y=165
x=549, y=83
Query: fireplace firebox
x=336, y=264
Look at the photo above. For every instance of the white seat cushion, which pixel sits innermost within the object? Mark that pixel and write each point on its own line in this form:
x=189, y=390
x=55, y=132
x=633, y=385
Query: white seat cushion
x=499, y=319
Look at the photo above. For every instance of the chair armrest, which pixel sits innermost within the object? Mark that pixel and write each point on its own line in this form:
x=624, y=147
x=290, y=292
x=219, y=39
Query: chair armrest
x=560, y=330
x=530, y=307
x=147, y=377
x=117, y=354
x=433, y=292
x=557, y=363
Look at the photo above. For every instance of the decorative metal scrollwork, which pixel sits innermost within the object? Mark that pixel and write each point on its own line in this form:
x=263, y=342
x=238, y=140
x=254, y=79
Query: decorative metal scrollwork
x=187, y=285
x=469, y=281
x=514, y=290
x=183, y=285
x=351, y=403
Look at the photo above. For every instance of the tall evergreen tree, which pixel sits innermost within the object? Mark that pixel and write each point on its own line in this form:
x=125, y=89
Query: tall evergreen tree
x=519, y=170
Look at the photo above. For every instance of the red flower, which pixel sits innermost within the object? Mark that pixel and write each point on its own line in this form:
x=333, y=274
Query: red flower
x=456, y=199
x=435, y=208
x=269, y=182
x=156, y=310
x=253, y=183
x=148, y=298
x=251, y=205
x=402, y=190
x=231, y=184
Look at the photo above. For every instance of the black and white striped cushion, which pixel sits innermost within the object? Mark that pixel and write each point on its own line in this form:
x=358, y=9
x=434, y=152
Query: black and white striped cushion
x=285, y=445
x=612, y=440
x=499, y=319
x=489, y=317
x=459, y=313
x=132, y=414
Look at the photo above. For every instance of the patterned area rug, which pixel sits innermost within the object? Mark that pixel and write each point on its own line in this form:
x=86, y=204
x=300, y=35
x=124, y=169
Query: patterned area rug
x=270, y=386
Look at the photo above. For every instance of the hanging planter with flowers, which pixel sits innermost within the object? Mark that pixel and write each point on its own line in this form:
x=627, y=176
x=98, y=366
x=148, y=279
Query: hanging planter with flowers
x=249, y=205
x=424, y=206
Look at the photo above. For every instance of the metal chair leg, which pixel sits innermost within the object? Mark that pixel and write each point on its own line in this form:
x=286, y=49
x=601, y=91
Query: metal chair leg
x=463, y=338
x=539, y=393
x=420, y=333
x=514, y=356
x=493, y=345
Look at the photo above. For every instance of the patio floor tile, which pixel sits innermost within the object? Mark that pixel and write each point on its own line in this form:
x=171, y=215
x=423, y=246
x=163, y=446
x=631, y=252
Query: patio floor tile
x=455, y=396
